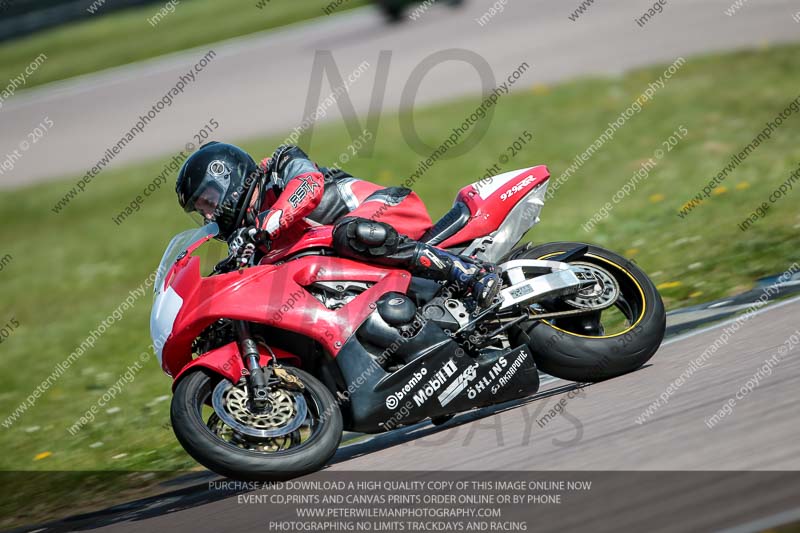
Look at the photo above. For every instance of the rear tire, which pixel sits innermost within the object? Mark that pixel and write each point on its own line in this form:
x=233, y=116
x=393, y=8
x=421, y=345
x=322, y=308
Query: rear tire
x=194, y=390
x=585, y=358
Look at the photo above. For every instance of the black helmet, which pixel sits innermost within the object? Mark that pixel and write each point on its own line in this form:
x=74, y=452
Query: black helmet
x=214, y=182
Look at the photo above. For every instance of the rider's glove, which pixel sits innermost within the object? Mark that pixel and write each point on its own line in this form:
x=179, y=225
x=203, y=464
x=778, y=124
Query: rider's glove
x=242, y=244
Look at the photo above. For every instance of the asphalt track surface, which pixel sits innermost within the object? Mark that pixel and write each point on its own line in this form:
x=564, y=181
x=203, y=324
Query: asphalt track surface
x=597, y=432
x=259, y=84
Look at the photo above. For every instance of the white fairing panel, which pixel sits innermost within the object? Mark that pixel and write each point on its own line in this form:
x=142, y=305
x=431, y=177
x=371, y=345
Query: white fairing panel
x=488, y=186
x=520, y=219
x=165, y=308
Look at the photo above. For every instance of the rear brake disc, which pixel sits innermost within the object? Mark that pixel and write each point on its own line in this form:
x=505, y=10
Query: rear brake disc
x=602, y=294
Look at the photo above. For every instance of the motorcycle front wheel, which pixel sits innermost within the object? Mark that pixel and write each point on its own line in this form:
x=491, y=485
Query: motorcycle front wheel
x=297, y=434
x=602, y=344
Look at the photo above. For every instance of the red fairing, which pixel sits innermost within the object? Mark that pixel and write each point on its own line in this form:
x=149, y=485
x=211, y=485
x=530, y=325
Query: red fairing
x=272, y=295
x=227, y=361
x=490, y=200
x=319, y=237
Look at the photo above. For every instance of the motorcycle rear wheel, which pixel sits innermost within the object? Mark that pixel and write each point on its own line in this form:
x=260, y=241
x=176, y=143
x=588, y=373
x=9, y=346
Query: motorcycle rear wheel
x=570, y=349
x=241, y=457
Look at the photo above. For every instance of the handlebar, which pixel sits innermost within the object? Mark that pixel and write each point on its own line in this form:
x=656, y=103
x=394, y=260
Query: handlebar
x=242, y=249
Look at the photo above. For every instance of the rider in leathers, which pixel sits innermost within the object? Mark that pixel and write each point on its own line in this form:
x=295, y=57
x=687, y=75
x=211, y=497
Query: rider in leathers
x=287, y=193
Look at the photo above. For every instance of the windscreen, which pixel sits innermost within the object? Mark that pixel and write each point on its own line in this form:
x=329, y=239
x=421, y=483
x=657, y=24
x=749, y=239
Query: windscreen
x=177, y=246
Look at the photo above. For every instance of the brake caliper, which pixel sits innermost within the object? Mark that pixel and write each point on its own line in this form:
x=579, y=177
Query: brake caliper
x=290, y=381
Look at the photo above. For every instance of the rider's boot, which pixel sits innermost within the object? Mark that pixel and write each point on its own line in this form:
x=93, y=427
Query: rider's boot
x=465, y=275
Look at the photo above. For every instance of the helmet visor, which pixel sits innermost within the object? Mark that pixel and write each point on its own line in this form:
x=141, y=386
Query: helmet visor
x=211, y=193
x=208, y=201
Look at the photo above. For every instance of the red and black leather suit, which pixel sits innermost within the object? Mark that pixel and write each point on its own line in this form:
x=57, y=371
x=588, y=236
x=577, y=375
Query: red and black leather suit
x=372, y=223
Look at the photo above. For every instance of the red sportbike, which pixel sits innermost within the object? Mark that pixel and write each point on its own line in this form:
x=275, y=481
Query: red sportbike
x=273, y=360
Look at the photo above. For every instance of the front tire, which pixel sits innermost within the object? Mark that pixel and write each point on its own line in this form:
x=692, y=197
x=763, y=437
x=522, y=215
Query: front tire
x=240, y=461
x=567, y=349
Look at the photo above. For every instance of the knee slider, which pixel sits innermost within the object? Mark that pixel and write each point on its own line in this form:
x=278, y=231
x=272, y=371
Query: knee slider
x=376, y=238
x=371, y=233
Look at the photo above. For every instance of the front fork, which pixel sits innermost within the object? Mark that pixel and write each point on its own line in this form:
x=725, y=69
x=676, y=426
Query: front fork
x=258, y=377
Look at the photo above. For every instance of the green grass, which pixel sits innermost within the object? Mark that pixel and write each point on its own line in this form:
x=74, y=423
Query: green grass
x=70, y=270
x=121, y=37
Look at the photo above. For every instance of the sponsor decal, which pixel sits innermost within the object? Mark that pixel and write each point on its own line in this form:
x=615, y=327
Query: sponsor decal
x=521, y=291
x=505, y=378
x=483, y=383
x=393, y=400
x=460, y=383
x=436, y=382
x=306, y=187
x=516, y=188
